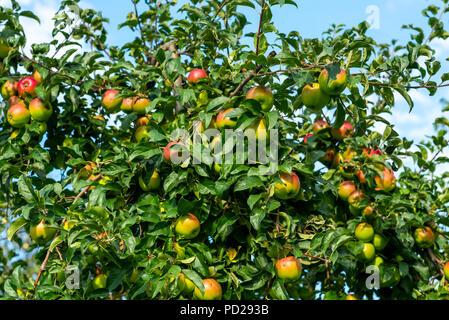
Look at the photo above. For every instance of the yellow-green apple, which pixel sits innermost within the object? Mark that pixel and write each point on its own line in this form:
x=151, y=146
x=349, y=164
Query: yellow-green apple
x=289, y=186
x=364, y=232
x=153, y=184
x=40, y=110
x=288, y=268
x=351, y=297
x=378, y=260
x=346, y=130
x=379, y=242
x=68, y=225
x=367, y=212
x=446, y=270
x=355, y=199
x=260, y=129
x=26, y=87
x=41, y=232
x=9, y=89
x=188, y=226
x=127, y=105
x=140, y=105
x=185, y=285
x=314, y=98
x=110, y=101
x=195, y=75
x=424, y=237
x=142, y=133
x=142, y=121
x=18, y=115
x=263, y=95
x=319, y=125
x=345, y=189
x=225, y=122
x=100, y=281
x=37, y=76
x=387, y=182
x=4, y=49
x=212, y=290
x=368, y=252
x=332, y=87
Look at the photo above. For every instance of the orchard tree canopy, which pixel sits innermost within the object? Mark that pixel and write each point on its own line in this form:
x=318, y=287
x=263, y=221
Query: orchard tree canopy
x=95, y=203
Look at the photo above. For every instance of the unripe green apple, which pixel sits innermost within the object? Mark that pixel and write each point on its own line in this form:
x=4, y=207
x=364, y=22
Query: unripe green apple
x=4, y=49
x=387, y=182
x=313, y=97
x=424, y=237
x=142, y=133
x=289, y=187
x=40, y=110
x=188, y=226
x=332, y=87
x=446, y=270
x=346, y=130
x=41, y=233
x=380, y=242
x=369, y=252
x=212, y=290
x=153, y=184
x=110, y=102
x=225, y=122
x=185, y=285
x=18, y=116
x=9, y=89
x=288, y=268
x=263, y=95
x=100, y=281
x=364, y=232
x=140, y=105
x=345, y=189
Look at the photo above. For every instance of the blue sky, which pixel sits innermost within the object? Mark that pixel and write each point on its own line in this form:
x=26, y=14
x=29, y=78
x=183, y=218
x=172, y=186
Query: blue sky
x=311, y=18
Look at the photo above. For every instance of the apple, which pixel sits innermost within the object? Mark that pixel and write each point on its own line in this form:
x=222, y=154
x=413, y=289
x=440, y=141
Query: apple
x=142, y=133
x=68, y=225
x=40, y=110
x=355, y=199
x=288, y=268
x=319, y=125
x=100, y=281
x=371, y=153
x=314, y=98
x=263, y=95
x=307, y=136
x=188, y=226
x=9, y=89
x=4, y=49
x=41, y=233
x=328, y=158
x=332, y=87
x=368, y=252
x=142, y=121
x=87, y=170
x=351, y=297
x=212, y=290
x=18, y=115
x=345, y=131
x=37, y=76
x=180, y=251
x=446, y=270
x=260, y=129
x=224, y=122
x=368, y=212
x=361, y=176
x=15, y=100
x=151, y=185
x=26, y=87
x=127, y=105
x=387, y=182
x=378, y=260
x=185, y=285
x=424, y=237
x=364, y=232
x=345, y=189
x=289, y=187
x=140, y=105
x=172, y=149
x=379, y=242
x=110, y=102
x=195, y=75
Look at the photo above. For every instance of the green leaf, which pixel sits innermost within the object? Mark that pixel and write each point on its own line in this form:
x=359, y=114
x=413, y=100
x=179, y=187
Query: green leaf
x=15, y=226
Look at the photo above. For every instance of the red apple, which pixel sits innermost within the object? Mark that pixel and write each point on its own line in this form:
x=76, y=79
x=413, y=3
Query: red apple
x=9, y=89
x=110, y=102
x=345, y=189
x=288, y=268
x=387, y=182
x=446, y=270
x=40, y=110
x=195, y=75
x=173, y=149
x=289, y=187
x=27, y=86
x=319, y=125
x=127, y=105
x=307, y=136
x=224, y=122
x=212, y=290
x=18, y=115
x=345, y=131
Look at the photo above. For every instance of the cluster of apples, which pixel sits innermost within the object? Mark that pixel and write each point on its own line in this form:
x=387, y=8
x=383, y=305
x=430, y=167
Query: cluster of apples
x=23, y=105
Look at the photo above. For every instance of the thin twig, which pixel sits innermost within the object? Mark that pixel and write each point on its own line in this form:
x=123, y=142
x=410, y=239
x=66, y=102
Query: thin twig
x=260, y=27
x=435, y=25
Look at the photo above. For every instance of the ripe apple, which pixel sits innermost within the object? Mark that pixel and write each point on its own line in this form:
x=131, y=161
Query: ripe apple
x=361, y=176
x=314, y=98
x=379, y=242
x=15, y=100
x=345, y=189
x=9, y=89
x=288, y=268
x=140, y=105
x=100, y=281
x=185, y=285
x=333, y=87
x=351, y=297
x=387, y=182
x=153, y=184
x=110, y=102
x=368, y=212
x=446, y=270
x=345, y=131
x=212, y=290
x=195, y=75
x=307, y=136
x=127, y=105
x=369, y=252
x=328, y=158
x=173, y=149
x=142, y=121
x=263, y=95
x=41, y=233
x=319, y=125
x=18, y=115
x=355, y=199
x=224, y=122
x=40, y=110
x=188, y=226
x=289, y=187
x=364, y=232
x=424, y=237
x=26, y=87
x=37, y=76
x=142, y=133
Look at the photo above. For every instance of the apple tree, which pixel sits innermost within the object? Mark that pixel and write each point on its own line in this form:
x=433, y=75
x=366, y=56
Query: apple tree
x=93, y=205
